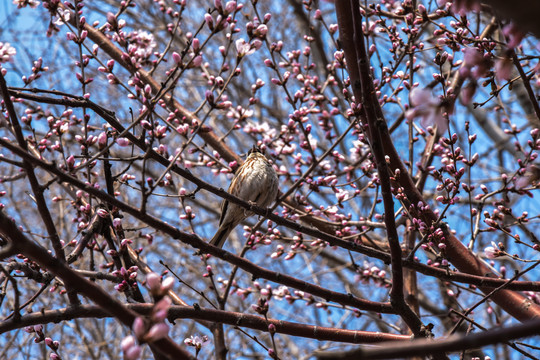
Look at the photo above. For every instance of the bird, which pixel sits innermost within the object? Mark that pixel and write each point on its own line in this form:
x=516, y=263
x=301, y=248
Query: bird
x=255, y=181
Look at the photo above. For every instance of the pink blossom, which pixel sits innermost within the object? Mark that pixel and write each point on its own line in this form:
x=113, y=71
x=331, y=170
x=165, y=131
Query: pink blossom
x=531, y=175
x=167, y=283
x=153, y=282
x=176, y=57
x=123, y=142
x=196, y=61
x=102, y=213
x=468, y=92
x=492, y=252
x=461, y=7
x=197, y=341
x=7, y=52
x=513, y=34
x=63, y=17
x=70, y=161
x=425, y=105
x=131, y=350
x=24, y=3
x=128, y=342
x=141, y=45
x=476, y=63
x=503, y=69
x=102, y=140
x=261, y=31
x=230, y=7
x=162, y=306
x=138, y=327
x=111, y=19
x=117, y=223
x=256, y=45
x=158, y=331
x=244, y=48
x=472, y=57
x=209, y=21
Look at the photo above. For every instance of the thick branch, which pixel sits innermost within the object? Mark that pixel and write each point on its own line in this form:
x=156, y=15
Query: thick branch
x=195, y=241
x=514, y=303
x=349, y=19
x=224, y=317
x=460, y=343
x=40, y=255
x=32, y=178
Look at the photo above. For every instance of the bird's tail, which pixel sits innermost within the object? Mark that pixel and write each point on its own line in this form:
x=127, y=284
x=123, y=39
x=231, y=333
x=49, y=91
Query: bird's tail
x=221, y=236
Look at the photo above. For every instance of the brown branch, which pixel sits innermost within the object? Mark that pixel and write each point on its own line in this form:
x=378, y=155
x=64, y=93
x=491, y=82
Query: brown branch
x=196, y=242
x=494, y=291
x=526, y=83
x=484, y=281
x=95, y=227
x=225, y=317
x=478, y=280
x=37, y=189
x=459, y=255
x=424, y=347
x=34, y=183
x=350, y=20
x=40, y=255
x=183, y=114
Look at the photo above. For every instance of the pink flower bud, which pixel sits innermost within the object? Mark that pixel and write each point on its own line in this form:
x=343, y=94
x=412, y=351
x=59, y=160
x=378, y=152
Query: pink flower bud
x=102, y=213
x=153, y=282
x=138, y=327
x=230, y=7
x=209, y=21
x=157, y=332
x=128, y=342
x=133, y=353
x=123, y=142
x=70, y=162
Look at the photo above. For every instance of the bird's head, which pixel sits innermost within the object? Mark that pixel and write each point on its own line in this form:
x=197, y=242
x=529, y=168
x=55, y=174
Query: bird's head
x=255, y=150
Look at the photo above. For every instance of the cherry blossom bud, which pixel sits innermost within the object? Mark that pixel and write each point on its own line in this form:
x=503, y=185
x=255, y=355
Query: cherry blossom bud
x=158, y=331
x=196, y=62
x=492, y=252
x=133, y=353
x=209, y=21
x=230, y=7
x=138, y=327
x=111, y=19
x=261, y=31
x=167, y=283
x=102, y=213
x=153, y=282
x=123, y=142
x=128, y=342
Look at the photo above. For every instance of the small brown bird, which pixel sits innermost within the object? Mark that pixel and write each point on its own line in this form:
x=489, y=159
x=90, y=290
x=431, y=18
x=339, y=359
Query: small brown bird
x=255, y=181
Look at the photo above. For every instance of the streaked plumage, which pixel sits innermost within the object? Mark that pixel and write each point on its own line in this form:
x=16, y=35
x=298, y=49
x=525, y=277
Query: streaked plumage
x=255, y=181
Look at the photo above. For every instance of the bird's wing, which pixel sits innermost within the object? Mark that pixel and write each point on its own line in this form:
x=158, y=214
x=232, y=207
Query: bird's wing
x=224, y=206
